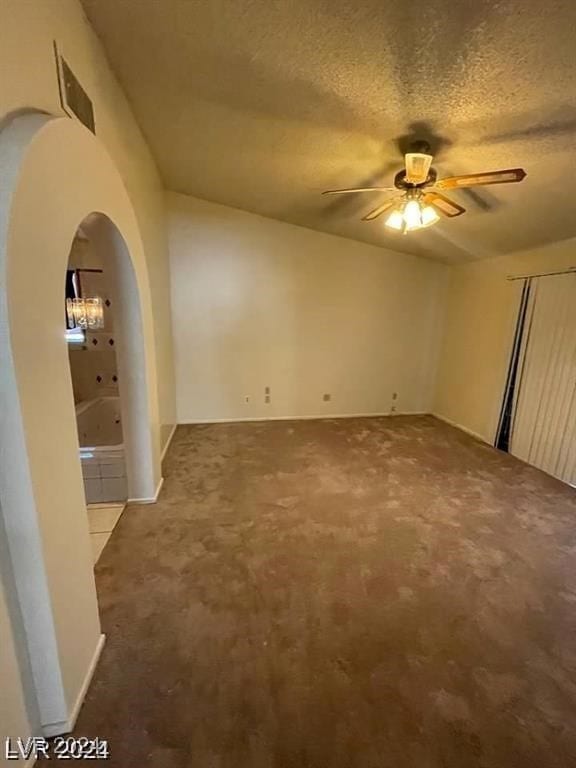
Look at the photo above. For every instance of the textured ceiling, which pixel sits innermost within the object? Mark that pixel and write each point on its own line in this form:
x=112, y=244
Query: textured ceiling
x=262, y=104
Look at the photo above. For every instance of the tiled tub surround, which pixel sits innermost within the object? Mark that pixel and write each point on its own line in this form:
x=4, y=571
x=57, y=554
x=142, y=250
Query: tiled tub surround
x=102, y=450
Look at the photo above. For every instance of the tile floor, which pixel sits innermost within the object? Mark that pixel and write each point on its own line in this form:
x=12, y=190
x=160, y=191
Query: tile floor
x=101, y=519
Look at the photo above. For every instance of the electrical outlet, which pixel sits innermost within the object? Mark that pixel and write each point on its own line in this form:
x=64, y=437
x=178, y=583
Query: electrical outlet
x=393, y=409
x=327, y=397
x=267, y=398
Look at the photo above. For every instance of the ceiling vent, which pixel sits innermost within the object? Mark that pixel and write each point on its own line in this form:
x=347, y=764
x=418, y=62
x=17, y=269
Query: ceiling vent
x=73, y=97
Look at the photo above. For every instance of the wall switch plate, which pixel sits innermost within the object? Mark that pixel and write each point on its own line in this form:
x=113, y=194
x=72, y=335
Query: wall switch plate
x=267, y=390
x=394, y=395
x=327, y=397
x=247, y=399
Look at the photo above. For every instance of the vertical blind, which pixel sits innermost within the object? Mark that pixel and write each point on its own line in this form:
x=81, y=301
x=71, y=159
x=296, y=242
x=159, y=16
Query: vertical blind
x=544, y=424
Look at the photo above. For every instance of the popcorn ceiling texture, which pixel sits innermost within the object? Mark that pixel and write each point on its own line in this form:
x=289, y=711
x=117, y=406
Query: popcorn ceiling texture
x=262, y=104
x=353, y=593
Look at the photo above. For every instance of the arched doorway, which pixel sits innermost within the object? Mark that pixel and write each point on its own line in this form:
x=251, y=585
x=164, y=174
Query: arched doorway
x=106, y=239
x=123, y=456
x=56, y=175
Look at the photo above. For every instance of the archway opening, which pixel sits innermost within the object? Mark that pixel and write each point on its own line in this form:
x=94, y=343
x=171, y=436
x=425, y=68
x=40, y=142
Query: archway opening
x=107, y=363
x=91, y=334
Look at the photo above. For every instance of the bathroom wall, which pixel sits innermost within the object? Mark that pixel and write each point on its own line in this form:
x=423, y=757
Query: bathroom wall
x=93, y=364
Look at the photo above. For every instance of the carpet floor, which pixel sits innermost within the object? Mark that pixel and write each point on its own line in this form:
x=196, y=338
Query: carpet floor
x=355, y=593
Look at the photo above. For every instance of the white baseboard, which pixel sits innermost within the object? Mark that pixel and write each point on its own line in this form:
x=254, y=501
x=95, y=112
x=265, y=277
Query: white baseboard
x=322, y=416
x=65, y=726
x=470, y=432
x=149, y=499
x=167, y=443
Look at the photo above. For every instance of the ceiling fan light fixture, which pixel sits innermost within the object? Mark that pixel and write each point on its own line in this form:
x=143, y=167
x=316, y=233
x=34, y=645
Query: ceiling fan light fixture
x=412, y=214
x=395, y=220
x=418, y=201
x=429, y=216
x=417, y=167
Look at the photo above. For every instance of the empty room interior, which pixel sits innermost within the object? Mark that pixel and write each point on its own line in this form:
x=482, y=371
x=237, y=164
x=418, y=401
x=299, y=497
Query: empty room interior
x=288, y=383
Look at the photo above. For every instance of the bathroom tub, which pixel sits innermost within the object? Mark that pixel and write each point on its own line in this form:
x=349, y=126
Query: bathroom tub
x=102, y=450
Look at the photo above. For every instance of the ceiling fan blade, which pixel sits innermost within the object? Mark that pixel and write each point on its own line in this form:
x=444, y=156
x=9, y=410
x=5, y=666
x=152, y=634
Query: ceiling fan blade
x=380, y=210
x=358, y=189
x=443, y=204
x=417, y=167
x=509, y=176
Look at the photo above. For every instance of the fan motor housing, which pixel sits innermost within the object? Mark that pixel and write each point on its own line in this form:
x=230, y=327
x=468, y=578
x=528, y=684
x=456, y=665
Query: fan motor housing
x=401, y=183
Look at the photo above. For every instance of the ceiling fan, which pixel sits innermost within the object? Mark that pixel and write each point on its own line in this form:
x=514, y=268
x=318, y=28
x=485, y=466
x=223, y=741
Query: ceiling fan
x=419, y=200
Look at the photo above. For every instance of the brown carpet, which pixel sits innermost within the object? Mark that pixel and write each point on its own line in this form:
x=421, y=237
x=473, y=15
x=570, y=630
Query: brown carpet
x=360, y=593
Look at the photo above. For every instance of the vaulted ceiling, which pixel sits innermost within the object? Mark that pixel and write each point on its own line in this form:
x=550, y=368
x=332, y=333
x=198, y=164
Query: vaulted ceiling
x=262, y=104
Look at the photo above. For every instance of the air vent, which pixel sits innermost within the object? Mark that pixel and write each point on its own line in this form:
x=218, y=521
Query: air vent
x=73, y=97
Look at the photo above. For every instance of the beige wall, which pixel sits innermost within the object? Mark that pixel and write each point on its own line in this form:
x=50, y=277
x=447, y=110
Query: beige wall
x=27, y=32
x=260, y=303
x=41, y=490
x=479, y=325
x=14, y=720
x=28, y=82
